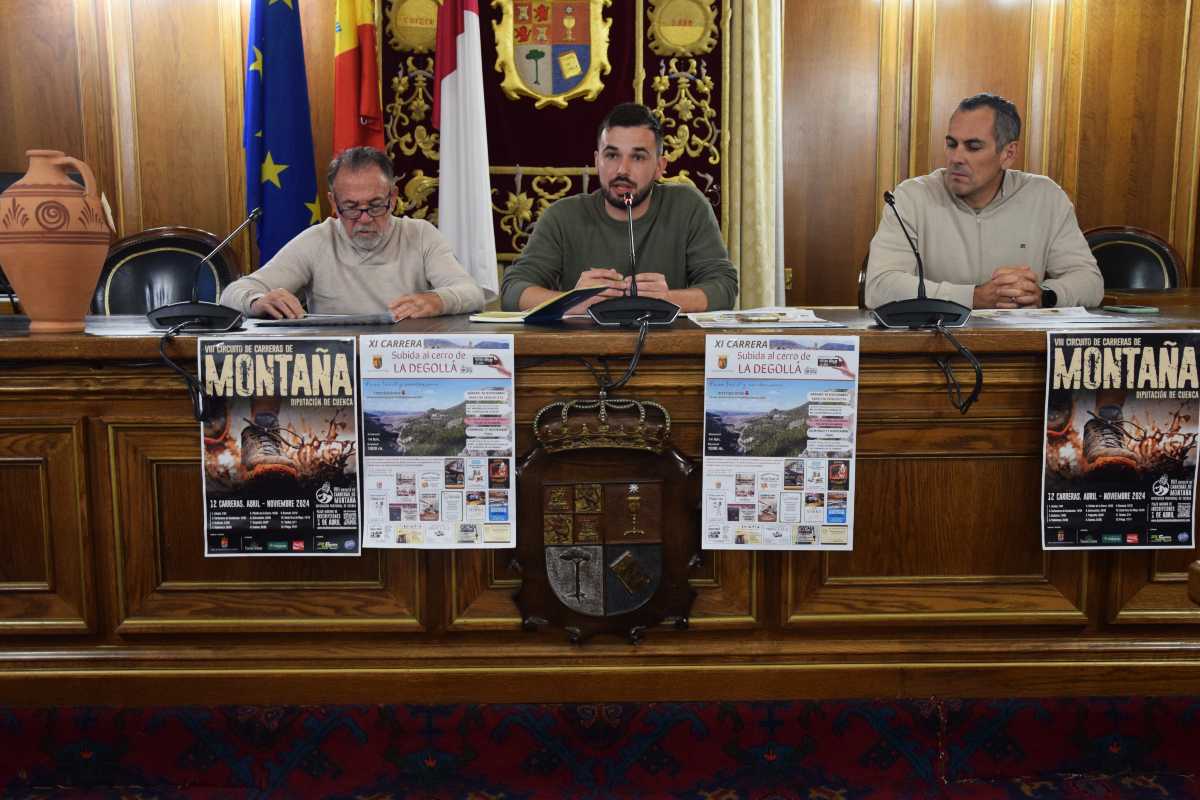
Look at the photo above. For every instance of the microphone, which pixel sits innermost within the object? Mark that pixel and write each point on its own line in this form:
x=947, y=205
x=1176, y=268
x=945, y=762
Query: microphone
x=201, y=315
x=628, y=199
x=921, y=311
x=631, y=311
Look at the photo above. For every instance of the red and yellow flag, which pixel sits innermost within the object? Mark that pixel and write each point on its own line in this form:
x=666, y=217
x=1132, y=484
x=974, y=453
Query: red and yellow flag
x=357, y=117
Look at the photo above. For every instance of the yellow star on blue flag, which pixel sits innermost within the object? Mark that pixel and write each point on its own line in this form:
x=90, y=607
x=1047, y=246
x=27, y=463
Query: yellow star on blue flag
x=280, y=173
x=271, y=170
x=315, y=208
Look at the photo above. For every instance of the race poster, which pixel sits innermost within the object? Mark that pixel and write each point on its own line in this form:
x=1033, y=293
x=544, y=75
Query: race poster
x=280, y=447
x=438, y=440
x=1119, y=461
x=779, y=441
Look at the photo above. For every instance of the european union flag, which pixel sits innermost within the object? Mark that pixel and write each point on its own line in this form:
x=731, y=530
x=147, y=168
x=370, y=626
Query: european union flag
x=280, y=176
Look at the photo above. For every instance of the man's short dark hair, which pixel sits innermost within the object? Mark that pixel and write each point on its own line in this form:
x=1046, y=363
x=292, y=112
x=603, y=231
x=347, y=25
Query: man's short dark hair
x=1007, y=125
x=353, y=159
x=633, y=115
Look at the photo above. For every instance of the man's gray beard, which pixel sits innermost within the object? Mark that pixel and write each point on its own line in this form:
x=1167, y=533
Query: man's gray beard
x=363, y=246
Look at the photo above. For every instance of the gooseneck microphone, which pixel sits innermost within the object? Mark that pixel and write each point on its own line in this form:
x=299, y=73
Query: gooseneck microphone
x=628, y=198
x=632, y=311
x=201, y=315
x=921, y=311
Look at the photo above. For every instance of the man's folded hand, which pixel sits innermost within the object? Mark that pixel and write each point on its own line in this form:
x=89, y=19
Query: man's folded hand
x=277, y=304
x=416, y=306
x=1010, y=287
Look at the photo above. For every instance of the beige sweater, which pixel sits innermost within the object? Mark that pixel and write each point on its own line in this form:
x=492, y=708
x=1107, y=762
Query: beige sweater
x=1031, y=221
x=339, y=279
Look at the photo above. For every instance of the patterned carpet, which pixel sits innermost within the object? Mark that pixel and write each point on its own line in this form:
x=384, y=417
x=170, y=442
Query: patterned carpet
x=836, y=750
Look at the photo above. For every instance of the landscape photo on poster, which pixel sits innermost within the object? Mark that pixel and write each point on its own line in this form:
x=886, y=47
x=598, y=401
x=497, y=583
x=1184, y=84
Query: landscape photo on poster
x=403, y=417
x=770, y=418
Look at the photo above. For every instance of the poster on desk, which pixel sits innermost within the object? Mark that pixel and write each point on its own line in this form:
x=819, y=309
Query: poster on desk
x=1119, y=454
x=780, y=414
x=280, y=446
x=438, y=441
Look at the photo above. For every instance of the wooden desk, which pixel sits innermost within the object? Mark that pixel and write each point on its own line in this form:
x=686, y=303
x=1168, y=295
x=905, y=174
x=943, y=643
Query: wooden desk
x=105, y=596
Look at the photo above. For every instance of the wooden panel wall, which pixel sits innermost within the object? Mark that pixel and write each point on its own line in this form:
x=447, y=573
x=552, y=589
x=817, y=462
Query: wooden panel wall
x=834, y=133
x=317, y=22
x=951, y=65
x=1133, y=112
x=150, y=95
x=37, y=51
x=1108, y=91
x=174, y=114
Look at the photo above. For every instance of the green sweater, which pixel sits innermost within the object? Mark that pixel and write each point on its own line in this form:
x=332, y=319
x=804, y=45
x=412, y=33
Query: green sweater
x=678, y=237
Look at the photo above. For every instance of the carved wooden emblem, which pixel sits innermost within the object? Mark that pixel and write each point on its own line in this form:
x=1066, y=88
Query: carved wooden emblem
x=682, y=27
x=412, y=25
x=609, y=521
x=552, y=50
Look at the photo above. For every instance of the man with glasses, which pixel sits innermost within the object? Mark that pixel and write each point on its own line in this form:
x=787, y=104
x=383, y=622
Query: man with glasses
x=363, y=260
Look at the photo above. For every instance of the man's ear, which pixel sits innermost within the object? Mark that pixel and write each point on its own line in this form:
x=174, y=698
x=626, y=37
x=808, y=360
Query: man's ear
x=1010, y=154
x=662, y=167
x=333, y=209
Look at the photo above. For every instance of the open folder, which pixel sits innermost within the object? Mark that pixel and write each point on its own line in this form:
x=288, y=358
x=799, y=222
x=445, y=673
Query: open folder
x=551, y=310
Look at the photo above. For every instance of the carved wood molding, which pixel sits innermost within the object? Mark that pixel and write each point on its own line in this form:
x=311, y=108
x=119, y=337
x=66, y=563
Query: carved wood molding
x=46, y=551
x=164, y=585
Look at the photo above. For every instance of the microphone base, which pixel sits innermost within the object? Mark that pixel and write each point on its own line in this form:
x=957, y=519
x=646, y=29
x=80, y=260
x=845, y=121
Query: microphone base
x=205, y=317
x=630, y=312
x=921, y=312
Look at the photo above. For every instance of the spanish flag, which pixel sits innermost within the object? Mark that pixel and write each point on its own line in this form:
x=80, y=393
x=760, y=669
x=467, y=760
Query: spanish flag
x=357, y=118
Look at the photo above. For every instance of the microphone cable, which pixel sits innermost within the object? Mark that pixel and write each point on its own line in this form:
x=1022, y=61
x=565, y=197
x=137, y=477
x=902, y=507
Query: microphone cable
x=953, y=388
x=604, y=379
x=200, y=407
x=609, y=385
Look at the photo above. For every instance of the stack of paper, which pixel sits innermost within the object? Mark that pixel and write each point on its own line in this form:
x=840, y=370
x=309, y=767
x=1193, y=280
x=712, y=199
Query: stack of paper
x=765, y=317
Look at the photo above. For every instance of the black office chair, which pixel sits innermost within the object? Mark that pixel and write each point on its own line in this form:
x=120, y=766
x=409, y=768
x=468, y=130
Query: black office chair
x=6, y=291
x=1134, y=258
x=156, y=267
x=862, y=283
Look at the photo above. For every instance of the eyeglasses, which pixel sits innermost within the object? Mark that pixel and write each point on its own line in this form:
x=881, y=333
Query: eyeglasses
x=374, y=210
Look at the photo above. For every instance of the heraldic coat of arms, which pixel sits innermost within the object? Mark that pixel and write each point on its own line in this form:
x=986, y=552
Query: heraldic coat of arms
x=552, y=50
x=609, y=521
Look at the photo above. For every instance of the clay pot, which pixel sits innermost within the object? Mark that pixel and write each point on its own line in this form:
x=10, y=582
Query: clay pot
x=53, y=241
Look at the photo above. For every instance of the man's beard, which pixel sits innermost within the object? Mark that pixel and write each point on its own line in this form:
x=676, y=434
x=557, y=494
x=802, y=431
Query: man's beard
x=366, y=242
x=616, y=198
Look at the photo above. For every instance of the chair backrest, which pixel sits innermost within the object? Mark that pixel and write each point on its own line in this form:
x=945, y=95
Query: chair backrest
x=156, y=267
x=1134, y=258
x=862, y=283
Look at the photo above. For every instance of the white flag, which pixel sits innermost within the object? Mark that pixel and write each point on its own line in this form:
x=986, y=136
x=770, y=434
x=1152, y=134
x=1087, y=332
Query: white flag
x=464, y=186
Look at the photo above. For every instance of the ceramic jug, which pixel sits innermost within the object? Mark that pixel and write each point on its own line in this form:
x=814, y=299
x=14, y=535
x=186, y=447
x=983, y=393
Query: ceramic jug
x=53, y=241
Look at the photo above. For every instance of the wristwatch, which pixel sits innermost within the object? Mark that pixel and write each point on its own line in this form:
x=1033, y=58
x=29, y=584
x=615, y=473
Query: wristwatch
x=1049, y=298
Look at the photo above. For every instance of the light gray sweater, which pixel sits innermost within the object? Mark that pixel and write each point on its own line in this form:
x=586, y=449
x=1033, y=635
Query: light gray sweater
x=1030, y=222
x=337, y=278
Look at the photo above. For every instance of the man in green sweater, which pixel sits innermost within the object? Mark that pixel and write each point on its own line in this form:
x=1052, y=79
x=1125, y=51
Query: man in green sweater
x=584, y=240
